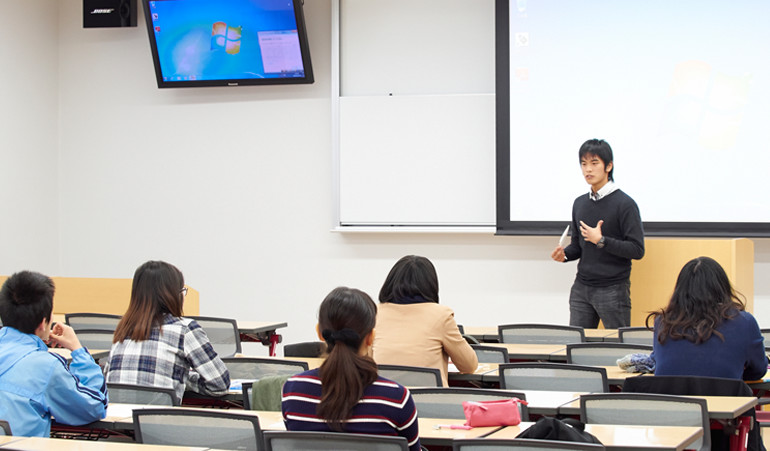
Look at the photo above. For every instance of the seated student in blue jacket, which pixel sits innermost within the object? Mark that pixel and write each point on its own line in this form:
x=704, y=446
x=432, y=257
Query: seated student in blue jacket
x=704, y=330
x=36, y=384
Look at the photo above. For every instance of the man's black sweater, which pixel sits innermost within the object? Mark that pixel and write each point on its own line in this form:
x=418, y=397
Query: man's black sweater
x=623, y=237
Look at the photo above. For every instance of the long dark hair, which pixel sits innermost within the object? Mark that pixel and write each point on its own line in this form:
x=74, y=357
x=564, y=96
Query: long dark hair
x=156, y=290
x=412, y=279
x=703, y=297
x=345, y=318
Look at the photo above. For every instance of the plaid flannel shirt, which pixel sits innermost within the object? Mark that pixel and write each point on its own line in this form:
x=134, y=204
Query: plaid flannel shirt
x=178, y=356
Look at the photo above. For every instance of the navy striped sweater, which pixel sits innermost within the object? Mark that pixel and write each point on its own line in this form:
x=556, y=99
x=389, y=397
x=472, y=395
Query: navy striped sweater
x=386, y=408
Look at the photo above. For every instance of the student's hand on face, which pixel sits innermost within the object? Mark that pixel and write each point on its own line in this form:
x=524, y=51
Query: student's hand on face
x=64, y=336
x=558, y=254
x=592, y=234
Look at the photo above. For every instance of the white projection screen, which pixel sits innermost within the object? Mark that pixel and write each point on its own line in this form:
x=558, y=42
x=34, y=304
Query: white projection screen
x=680, y=90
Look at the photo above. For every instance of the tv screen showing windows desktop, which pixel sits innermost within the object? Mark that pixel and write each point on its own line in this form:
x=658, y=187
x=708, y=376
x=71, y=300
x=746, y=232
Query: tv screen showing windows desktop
x=228, y=42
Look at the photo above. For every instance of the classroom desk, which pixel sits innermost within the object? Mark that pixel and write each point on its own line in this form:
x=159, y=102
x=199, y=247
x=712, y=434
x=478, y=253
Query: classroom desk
x=261, y=331
x=6, y=439
x=719, y=407
x=429, y=435
x=250, y=331
x=67, y=354
x=534, y=352
x=489, y=334
x=55, y=444
x=630, y=437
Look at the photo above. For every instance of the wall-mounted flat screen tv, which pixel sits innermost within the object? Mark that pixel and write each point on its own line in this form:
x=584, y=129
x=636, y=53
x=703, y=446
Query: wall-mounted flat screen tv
x=228, y=42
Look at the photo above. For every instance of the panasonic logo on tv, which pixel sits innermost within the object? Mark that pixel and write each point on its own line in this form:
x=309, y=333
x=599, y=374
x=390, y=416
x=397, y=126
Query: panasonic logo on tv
x=103, y=11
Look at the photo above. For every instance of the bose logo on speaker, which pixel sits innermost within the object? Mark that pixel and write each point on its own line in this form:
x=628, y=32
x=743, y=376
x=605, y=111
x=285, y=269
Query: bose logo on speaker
x=103, y=11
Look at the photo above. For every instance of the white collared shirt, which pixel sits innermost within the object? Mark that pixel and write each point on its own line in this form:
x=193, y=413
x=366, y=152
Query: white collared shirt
x=605, y=190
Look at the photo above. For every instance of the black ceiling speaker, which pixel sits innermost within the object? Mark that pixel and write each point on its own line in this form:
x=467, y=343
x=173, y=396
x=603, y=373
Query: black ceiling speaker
x=109, y=13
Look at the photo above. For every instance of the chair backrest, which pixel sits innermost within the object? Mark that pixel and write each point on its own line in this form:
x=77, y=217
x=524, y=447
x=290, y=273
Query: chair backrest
x=636, y=335
x=140, y=394
x=553, y=376
x=603, y=353
x=647, y=409
x=304, y=349
x=92, y=321
x=523, y=444
x=264, y=394
x=222, y=333
x=491, y=354
x=540, y=334
x=95, y=338
x=331, y=441
x=5, y=428
x=411, y=376
x=211, y=428
x=447, y=402
x=255, y=368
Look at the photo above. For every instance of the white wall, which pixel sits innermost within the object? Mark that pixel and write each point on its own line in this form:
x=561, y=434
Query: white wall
x=29, y=131
x=232, y=185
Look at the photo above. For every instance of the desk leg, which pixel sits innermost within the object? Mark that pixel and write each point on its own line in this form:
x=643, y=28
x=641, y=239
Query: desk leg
x=739, y=441
x=274, y=340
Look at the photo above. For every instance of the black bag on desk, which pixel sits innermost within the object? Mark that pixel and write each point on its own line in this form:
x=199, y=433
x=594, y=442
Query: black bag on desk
x=567, y=430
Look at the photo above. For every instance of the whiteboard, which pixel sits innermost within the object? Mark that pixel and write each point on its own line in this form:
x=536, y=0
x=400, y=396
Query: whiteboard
x=415, y=112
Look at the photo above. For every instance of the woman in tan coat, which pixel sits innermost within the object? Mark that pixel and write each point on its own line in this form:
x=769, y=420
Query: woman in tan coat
x=412, y=328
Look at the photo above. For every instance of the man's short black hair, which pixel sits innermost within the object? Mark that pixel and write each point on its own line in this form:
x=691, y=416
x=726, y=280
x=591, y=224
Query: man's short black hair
x=25, y=300
x=601, y=149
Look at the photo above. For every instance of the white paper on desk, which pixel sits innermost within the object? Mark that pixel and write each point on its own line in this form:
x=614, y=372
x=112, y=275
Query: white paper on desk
x=564, y=240
x=118, y=410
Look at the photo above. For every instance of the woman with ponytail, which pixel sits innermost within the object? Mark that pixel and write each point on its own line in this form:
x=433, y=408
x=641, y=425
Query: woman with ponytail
x=345, y=394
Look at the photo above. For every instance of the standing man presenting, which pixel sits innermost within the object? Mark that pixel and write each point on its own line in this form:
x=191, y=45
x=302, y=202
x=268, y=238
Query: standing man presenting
x=606, y=235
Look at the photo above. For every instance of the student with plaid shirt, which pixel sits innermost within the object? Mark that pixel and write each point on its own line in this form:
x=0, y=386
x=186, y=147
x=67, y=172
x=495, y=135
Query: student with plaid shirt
x=155, y=346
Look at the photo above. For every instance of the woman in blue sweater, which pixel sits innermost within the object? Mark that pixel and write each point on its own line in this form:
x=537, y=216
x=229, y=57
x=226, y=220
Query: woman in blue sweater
x=704, y=330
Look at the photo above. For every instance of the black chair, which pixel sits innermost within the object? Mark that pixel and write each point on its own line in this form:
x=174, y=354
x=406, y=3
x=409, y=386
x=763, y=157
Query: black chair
x=208, y=428
x=636, y=335
x=522, y=444
x=699, y=386
x=304, y=349
x=95, y=339
x=222, y=333
x=491, y=354
x=553, y=376
x=603, y=353
x=540, y=334
x=411, y=376
x=446, y=402
x=648, y=410
x=313, y=441
x=142, y=394
x=255, y=368
x=92, y=321
x=264, y=394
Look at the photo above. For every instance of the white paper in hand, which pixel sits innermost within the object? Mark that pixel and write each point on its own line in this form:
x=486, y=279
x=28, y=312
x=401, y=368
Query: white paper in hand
x=564, y=240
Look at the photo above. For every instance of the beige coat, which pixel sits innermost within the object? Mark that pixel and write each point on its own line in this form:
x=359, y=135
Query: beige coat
x=423, y=334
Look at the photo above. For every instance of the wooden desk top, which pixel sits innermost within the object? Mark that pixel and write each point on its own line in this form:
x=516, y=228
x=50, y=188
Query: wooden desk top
x=719, y=407
x=255, y=327
x=47, y=444
x=546, y=402
x=489, y=333
x=529, y=351
x=444, y=436
x=629, y=437
x=67, y=354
